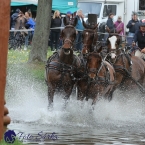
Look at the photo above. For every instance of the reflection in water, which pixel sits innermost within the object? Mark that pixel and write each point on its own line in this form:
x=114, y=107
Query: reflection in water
x=120, y=121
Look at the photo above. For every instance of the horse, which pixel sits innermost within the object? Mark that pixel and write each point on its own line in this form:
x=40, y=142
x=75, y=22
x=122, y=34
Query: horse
x=89, y=41
x=89, y=38
x=99, y=80
x=62, y=65
x=129, y=69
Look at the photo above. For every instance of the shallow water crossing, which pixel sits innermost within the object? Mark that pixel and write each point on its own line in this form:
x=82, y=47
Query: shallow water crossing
x=120, y=121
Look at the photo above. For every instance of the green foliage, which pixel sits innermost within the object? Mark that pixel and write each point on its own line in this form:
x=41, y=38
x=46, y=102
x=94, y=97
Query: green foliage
x=18, y=59
x=17, y=142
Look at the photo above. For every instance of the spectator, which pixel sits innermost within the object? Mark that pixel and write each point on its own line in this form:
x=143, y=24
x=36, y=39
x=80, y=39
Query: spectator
x=119, y=25
x=55, y=33
x=20, y=21
x=13, y=18
x=132, y=25
x=80, y=27
x=29, y=25
x=109, y=26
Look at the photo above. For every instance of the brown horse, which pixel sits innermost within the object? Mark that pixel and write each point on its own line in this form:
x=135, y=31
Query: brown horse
x=130, y=70
x=99, y=80
x=62, y=65
x=89, y=38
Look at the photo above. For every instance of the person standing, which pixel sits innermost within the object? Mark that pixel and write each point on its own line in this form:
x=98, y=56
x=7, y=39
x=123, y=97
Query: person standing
x=13, y=18
x=80, y=27
x=133, y=26
x=29, y=25
x=20, y=21
x=109, y=26
x=68, y=18
x=119, y=26
x=55, y=33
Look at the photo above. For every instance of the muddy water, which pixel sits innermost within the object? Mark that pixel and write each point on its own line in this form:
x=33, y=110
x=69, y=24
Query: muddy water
x=121, y=121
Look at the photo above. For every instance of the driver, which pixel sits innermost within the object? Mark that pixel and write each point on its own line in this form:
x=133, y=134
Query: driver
x=139, y=40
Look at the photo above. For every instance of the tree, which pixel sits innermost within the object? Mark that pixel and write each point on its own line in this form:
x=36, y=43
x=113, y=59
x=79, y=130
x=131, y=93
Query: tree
x=4, y=36
x=40, y=39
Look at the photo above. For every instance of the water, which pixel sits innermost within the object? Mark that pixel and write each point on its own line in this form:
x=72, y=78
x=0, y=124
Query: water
x=120, y=121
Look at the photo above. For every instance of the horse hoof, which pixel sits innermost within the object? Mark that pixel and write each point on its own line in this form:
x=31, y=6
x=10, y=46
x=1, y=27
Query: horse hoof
x=109, y=98
x=50, y=107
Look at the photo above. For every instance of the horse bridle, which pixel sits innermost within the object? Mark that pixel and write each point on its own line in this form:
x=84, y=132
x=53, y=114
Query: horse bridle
x=95, y=70
x=67, y=39
x=85, y=45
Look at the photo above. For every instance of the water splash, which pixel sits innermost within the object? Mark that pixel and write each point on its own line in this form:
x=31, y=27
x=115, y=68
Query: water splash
x=27, y=102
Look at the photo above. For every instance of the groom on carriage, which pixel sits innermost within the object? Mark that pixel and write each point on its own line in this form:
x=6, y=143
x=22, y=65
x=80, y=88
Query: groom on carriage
x=139, y=38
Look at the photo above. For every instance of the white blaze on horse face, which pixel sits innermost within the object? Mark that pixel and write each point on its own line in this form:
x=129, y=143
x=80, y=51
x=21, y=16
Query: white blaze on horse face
x=113, y=40
x=87, y=33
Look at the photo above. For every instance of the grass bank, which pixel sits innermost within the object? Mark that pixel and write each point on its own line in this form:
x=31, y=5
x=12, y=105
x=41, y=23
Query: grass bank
x=19, y=59
x=17, y=142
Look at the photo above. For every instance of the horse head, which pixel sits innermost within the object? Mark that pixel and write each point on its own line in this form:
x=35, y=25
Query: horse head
x=89, y=37
x=68, y=35
x=113, y=43
x=94, y=61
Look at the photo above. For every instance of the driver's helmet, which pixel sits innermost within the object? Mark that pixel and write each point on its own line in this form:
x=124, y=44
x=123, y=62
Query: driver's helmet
x=142, y=24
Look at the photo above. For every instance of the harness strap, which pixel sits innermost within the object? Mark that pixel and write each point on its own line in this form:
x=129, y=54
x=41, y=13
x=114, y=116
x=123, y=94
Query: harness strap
x=121, y=69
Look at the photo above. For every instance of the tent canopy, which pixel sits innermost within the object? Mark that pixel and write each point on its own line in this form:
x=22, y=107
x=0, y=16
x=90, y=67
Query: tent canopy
x=62, y=5
x=19, y=3
x=65, y=5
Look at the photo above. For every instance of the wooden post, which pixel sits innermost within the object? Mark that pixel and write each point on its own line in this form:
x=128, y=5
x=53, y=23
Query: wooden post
x=4, y=36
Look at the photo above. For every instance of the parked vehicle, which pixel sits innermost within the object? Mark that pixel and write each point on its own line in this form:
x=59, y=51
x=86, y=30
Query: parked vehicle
x=102, y=8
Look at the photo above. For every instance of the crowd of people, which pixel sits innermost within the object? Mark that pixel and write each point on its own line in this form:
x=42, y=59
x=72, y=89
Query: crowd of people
x=19, y=21
x=57, y=21
x=133, y=25
x=135, y=37
x=136, y=33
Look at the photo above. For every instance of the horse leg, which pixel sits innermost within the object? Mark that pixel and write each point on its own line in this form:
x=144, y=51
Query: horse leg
x=110, y=95
x=94, y=102
x=118, y=81
x=68, y=92
x=80, y=95
x=51, y=90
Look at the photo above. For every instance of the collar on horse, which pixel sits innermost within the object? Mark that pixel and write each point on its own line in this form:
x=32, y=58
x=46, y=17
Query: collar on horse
x=101, y=79
x=60, y=66
x=122, y=68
